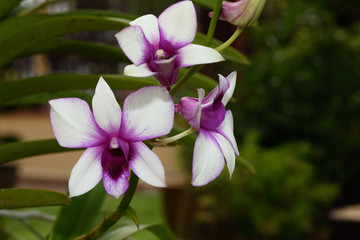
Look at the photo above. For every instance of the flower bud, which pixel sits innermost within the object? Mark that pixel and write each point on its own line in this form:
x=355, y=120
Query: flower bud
x=242, y=13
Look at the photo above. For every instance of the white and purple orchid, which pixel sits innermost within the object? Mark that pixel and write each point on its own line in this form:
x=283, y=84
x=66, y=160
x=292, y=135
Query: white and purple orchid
x=160, y=46
x=216, y=139
x=242, y=13
x=113, y=138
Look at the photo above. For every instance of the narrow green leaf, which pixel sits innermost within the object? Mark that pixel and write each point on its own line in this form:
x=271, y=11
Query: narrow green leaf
x=7, y=5
x=209, y=4
x=66, y=46
x=230, y=53
x=80, y=216
x=21, y=198
x=18, y=34
x=57, y=82
x=131, y=214
x=13, y=151
x=160, y=230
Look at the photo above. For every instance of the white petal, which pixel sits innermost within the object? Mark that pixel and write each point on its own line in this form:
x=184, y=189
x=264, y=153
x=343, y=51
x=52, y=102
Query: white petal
x=227, y=151
x=208, y=160
x=193, y=54
x=201, y=95
x=147, y=113
x=150, y=27
x=227, y=130
x=87, y=172
x=116, y=187
x=146, y=165
x=138, y=71
x=73, y=123
x=134, y=44
x=107, y=111
x=178, y=23
x=228, y=94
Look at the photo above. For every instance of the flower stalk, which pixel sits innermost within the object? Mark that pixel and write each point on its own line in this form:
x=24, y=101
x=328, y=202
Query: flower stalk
x=166, y=141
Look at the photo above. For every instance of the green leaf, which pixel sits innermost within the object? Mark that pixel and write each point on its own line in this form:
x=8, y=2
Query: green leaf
x=57, y=82
x=80, y=216
x=160, y=230
x=18, y=34
x=209, y=4
x=131, y=214
x=13, y=151
x=21, y=198
x=7, y=5
x=230, y=53
x=90, y=50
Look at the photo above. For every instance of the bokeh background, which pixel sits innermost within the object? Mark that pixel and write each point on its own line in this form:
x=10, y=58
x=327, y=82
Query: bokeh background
x=297, y=121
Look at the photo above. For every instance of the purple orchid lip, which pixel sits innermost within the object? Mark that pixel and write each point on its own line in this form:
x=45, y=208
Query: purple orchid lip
x=216, y=139
x=160, y=46
x=113, y=138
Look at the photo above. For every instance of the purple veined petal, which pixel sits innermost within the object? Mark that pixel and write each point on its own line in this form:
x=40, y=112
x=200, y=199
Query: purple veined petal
x=150, y=27
x=107, y=111
x=227, y=151
x=147, y=113
x=227, y=130
x=177, y=24
x=116, y=187
x=193, y=54
x=73, y=123
x=146, y=165
x=87, y=172
x=219, y=91
x=134, y=44
x=190, y=109
x=230, y=91
x=208, y=160
x=166, y=71
x=138, y=71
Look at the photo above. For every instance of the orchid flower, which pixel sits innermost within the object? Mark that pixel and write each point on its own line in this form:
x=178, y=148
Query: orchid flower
x=160, y=46
x=216, y=139
x=113, y=138
x=242, y=13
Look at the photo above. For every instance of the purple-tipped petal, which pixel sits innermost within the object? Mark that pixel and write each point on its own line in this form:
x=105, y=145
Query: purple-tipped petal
x=146, y=165
x=73, y=123
x=107, y=111
x=178, y=23
x=142, y=70
x=227, y=130
x=116, y=187
x=208, y=160
x=227, y=151
x=134, y=44
x=230, y=91
x=193, y=54
x=147, y=113
x=87, y=172
x=150, y=27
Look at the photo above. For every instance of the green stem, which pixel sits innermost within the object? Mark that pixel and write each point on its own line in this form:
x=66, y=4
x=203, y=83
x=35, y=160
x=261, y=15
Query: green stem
x=226, y=44
x=184, y=79
x=165, y=141
x=109, y=221
x=213, y=22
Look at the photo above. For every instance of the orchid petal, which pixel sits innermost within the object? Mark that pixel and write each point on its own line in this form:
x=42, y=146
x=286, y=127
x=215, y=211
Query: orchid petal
x=134, y=44
x=73, y=123
x=178, y=23
x=138, y=71
x=87, y=172
x=227, y=130
x=116, y=187
x=227, y=151
x=147, y=113
x=230, y=91
x=150, y=27
x=208, y=160
x=146, y=165
x=193, y=54
x=107, y=111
